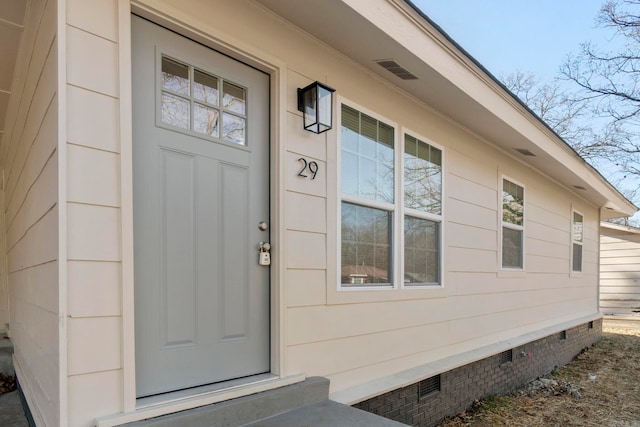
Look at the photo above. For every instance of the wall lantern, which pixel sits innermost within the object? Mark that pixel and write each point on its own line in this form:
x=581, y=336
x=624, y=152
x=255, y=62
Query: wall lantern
x=316, y=103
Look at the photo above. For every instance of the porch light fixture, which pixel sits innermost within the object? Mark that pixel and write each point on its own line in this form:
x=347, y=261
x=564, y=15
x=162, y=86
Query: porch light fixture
x=316, y=103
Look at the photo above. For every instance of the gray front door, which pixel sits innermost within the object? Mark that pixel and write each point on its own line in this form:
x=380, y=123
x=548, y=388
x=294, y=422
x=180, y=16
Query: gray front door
x=200, y=191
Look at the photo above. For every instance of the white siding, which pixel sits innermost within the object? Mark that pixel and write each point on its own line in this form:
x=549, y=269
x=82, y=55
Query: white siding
x=93, y=212
x=619, y=271
x=30, y=214
x=351, y=337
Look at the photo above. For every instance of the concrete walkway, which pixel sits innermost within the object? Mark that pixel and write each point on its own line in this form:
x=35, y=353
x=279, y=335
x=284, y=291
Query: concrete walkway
x=11, y=412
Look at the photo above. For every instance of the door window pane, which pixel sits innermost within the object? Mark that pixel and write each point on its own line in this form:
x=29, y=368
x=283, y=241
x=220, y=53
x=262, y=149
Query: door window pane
x=421, y=251
x=366, y=245
x=234, y=98
x=205, y=120
x=175, y=111
x=422, y=176
x=512, y=248
x=233, y=128
x=205, y=87
x=367, y=156
x=191, y=101
x=175, y=76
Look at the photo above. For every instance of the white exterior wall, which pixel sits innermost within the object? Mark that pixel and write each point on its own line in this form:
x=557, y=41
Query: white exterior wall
x=93, y=211
x=619, y=270
x=353, y=337
x=30, y=214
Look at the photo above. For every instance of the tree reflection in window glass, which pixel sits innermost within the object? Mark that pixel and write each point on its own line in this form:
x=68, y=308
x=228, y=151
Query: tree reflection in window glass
x=191, y=100
x=366, y=245
x=512, y=202
x=421, y=251
x=422, y=176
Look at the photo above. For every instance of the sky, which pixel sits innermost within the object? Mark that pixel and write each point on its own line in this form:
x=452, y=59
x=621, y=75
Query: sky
x=531, y=36
x=525, y=35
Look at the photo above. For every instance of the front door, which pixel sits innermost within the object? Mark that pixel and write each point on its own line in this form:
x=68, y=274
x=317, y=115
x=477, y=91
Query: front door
x=201, y=208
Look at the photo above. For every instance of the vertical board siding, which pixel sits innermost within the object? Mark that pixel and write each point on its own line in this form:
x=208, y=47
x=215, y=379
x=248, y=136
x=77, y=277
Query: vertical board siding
x=30, y=214
x=619, y=271
x=93, y=212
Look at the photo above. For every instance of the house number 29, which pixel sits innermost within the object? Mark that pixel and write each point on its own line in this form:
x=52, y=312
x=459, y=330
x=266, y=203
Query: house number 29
x=310, y=167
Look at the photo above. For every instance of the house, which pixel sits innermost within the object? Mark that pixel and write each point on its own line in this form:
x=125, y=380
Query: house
x=619, y=269
x=437, y=244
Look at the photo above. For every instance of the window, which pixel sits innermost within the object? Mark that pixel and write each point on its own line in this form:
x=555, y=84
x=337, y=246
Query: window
x=191, y=101
x=577, y=232
x=372, y=203
x=512, y=225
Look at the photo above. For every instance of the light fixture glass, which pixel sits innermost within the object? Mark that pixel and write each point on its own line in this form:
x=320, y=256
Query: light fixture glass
x=316, y=103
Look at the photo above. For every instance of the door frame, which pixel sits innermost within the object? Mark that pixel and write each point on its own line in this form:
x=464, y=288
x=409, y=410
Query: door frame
x=185, y=25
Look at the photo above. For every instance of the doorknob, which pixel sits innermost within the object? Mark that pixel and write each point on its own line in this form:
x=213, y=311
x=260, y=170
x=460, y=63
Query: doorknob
x=263, y=226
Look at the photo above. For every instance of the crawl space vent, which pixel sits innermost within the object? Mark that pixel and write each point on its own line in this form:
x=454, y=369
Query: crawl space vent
x=428, y=387
x=506, y=357
x=395, y=68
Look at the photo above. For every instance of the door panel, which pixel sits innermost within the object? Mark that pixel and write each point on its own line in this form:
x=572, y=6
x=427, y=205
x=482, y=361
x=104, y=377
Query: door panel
x=200, y=188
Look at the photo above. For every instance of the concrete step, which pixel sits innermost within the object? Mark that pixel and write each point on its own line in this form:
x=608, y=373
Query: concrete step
x=296, y=405
x=247, y=409
x=326, y=414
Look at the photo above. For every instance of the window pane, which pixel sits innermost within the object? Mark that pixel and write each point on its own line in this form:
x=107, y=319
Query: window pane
x=234, y=98
x=233, y=128
x=367, y=156
x=175, y=76
x=205, y=87
x=422, y=176
x=511, y=248
x=366, y=245
x=512, y=203
x=175, y=111
x=578, y=227
x=577, y=257
x=205, y=120
x=421, y=251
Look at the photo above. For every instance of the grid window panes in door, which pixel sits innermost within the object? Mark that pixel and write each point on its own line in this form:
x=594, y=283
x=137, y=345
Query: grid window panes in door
x=577, y=239
x=370, y=206
x=512, y=225
x=195, y=101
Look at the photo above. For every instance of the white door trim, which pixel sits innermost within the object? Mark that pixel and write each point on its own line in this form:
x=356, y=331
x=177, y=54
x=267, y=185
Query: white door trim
x=185, y=25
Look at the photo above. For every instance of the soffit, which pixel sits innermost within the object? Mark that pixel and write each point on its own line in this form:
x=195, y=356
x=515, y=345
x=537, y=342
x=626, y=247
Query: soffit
x=449, y=81
x=12, y=13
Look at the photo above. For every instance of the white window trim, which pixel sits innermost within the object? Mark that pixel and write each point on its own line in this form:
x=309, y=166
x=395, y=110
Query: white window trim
x=402, y=211
x=571, y=270
x=512, y=226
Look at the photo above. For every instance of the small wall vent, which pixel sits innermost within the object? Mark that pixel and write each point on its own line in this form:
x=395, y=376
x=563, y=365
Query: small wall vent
x=506, y=357
x=428, y=387
x=395, y=68
x=524, y=152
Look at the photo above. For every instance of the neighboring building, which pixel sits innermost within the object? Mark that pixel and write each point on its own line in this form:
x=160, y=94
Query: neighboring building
x=439, y=237
x=619, y=269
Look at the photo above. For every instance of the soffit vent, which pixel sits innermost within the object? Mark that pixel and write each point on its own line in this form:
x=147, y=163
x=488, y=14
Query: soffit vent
x=428, y=387
x=395, y=68
x=579, y=187
x=524, y=152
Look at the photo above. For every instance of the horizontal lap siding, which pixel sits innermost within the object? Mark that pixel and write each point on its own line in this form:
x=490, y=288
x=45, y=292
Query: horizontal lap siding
x=30, y=214
x=93, y=209
x=619, y=271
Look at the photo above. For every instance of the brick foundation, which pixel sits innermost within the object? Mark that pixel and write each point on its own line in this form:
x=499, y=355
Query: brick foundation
x=461, y=386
